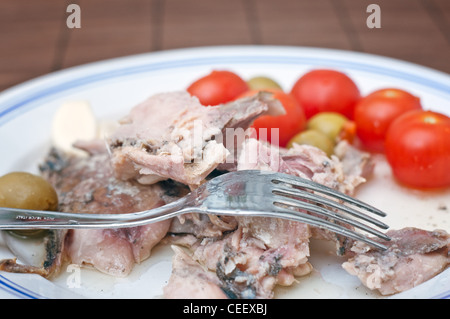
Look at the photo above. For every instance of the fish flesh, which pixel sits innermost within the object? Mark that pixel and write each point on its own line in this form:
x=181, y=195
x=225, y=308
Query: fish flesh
x=52, y=263
x=173, y=136
x=251, y=255
x=88, y=185
x=413, y=256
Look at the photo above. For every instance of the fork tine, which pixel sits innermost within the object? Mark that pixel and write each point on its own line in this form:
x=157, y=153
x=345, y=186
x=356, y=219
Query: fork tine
x=322, y=223
x=307, y=184
x=322, y=211
x=296, y=193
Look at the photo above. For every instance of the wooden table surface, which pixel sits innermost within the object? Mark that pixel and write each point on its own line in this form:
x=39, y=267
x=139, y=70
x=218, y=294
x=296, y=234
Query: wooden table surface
x=36, y=40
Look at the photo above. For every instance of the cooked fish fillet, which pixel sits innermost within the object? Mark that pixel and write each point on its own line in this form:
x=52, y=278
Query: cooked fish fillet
x=88, y=185
x=413, y=256
x=171, y=135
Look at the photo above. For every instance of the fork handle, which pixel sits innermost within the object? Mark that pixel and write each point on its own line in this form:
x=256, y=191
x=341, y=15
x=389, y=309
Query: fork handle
x=15, y=218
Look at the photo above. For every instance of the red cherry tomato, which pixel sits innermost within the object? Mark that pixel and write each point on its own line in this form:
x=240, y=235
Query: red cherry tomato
x=326, y=90
x=288, y=124
x=418, y=149
x=218, y=87
x=375, y=112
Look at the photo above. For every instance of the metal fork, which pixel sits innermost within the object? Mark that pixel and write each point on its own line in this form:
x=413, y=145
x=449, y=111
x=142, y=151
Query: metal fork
x=241, y=193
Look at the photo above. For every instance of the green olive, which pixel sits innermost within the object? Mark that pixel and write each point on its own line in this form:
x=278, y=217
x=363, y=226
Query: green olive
x=329, y=123
x=27, y=191
x=314, y=138
x=262, y=82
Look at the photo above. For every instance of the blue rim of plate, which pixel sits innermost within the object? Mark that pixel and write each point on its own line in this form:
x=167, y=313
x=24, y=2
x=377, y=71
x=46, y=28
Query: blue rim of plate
x=17, y=290
x=18, y=101
x=16, y=105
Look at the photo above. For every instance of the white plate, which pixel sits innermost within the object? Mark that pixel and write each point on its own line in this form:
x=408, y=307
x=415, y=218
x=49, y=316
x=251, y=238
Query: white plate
x=114, y=86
